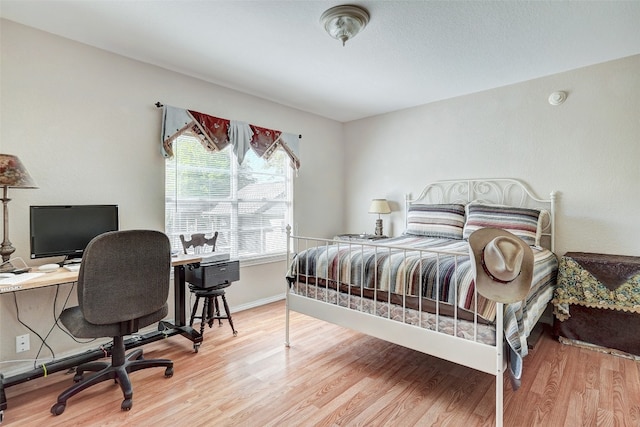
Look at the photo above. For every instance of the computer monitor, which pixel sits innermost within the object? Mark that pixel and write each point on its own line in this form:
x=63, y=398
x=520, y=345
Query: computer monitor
x=67, y=230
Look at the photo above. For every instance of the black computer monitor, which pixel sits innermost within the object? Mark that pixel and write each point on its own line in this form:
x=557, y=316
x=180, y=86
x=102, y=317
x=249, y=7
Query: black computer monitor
x=67, y=230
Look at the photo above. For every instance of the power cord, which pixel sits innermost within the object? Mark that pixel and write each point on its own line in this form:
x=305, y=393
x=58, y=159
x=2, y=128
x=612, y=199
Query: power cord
x=64, y=306
x=15, y=301
x=56, y=318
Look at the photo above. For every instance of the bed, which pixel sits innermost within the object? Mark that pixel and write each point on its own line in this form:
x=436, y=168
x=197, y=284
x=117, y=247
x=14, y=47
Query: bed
x=417, y=289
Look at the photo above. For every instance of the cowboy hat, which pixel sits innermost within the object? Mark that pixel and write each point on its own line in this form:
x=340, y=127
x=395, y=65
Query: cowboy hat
x=502, y=264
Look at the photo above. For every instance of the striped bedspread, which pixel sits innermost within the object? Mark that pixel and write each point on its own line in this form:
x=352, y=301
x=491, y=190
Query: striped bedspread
x=438, y=269
x=433, y=268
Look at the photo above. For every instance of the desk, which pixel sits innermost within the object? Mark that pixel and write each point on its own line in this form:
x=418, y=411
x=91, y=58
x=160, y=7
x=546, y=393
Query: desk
x=165, y=329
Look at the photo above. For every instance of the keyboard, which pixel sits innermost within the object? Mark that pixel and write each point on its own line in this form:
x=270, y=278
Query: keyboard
x=12, y=283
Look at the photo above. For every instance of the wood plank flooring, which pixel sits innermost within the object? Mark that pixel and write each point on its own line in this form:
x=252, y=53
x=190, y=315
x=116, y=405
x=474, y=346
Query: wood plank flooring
x=332, y=376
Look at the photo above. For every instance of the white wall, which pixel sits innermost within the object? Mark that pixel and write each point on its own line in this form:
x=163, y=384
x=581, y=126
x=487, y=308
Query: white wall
x=83, y=121
x=588, y=149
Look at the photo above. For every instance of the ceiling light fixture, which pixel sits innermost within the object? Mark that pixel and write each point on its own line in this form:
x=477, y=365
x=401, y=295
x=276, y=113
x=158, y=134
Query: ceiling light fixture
x=344, y=22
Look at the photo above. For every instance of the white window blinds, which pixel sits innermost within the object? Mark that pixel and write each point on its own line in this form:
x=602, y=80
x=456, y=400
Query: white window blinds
x=249, y=205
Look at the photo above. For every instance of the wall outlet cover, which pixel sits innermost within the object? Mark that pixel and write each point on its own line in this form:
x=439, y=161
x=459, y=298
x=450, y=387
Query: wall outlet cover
x=22, y=343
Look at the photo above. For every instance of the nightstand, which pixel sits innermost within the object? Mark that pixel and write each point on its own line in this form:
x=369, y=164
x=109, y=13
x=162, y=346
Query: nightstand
x=359, y=237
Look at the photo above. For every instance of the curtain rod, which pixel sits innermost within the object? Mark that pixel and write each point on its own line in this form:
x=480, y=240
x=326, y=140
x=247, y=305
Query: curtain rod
x=160, y=105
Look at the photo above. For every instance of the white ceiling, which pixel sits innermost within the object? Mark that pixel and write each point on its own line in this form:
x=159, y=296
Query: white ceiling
x=411, y=53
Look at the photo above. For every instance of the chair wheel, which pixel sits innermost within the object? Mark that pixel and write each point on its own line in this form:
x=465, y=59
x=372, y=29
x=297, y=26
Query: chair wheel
x=126, y=404
x=58, y=408
x=168, y=372
x=77, y=378
x=235, y=333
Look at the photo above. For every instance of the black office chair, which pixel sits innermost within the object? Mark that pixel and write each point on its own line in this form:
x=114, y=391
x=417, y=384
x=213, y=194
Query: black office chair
x=211, y=306
x=123, y=285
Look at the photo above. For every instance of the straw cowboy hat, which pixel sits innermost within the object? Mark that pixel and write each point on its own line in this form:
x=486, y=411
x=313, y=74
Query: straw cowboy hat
x=502, y=264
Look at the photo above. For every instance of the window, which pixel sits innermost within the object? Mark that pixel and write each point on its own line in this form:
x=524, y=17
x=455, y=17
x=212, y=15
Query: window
x=249, y=205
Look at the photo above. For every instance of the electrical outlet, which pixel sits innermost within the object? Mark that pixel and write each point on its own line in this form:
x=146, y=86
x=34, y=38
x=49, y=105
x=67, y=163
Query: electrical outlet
x=22, y=343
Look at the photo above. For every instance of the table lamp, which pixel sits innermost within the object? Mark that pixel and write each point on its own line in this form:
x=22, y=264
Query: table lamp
x=379, y=206
x=13, y=174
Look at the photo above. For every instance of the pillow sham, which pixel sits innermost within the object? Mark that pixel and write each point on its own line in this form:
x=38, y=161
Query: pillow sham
x=441, y=220
x=522, y=222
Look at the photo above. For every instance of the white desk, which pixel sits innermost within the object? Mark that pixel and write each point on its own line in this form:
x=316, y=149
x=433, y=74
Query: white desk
x=62, y=275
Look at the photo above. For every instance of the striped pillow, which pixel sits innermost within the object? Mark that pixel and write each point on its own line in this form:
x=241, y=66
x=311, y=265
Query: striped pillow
x=522, y=222
x=444, y=221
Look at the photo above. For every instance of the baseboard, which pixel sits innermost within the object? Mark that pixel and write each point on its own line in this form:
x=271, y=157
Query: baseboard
x=257, y=303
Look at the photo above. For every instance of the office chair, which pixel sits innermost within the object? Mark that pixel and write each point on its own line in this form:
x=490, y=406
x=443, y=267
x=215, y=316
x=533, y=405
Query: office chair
x=123, y=285
x=210, y=293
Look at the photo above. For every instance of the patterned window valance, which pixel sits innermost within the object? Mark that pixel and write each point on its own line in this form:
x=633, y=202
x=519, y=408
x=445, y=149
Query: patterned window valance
x=215, y=134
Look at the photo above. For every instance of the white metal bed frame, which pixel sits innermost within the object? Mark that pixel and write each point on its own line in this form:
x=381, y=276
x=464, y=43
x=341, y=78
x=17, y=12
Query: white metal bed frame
x=476, y=355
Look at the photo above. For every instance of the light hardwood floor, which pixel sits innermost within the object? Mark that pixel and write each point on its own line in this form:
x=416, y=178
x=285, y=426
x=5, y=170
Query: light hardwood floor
x=332, y=376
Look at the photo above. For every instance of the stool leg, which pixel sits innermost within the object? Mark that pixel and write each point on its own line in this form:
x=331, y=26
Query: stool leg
x=193, y=311
x=215, y=301
x=203, y=319
x=226, y=309
x=210, y=317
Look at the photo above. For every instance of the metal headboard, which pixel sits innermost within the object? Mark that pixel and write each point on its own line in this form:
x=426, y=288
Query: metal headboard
x=502, y=191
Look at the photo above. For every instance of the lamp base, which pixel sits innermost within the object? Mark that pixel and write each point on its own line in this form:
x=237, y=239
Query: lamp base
x=6, y=249
x=378, y=231
x=7, y=267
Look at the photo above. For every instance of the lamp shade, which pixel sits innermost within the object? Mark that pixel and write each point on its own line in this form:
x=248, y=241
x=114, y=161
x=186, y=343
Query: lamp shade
x=379, y=206
x=13, y=174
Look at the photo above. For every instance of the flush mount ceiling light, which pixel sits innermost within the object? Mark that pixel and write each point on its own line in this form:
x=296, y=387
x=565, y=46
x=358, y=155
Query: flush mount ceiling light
x=344, y=22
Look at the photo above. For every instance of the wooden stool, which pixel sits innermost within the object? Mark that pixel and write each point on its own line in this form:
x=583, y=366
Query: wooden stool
x=210, y=309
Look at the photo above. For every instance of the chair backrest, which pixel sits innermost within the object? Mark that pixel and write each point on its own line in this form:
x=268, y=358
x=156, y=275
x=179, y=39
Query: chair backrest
x=200, y=243
x=124, y=275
